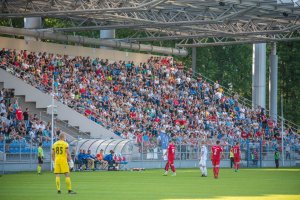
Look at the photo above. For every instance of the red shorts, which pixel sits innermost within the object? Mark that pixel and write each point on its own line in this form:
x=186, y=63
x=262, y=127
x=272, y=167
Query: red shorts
x=215, y=162
x=237, y=159
x=171, y=161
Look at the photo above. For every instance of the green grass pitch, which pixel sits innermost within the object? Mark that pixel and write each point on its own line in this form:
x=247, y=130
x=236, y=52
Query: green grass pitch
x=267, y=184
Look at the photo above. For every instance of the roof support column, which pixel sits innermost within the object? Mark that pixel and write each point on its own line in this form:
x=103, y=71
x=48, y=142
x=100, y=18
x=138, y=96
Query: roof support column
x=107, y=34
x=194, y=59
x=273, y=82
x=259, y=75
x=32, y=23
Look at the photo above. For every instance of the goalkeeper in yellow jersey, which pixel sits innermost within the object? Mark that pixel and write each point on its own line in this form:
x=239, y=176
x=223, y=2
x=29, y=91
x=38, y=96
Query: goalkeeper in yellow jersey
x=40, y=158
x=61, y=156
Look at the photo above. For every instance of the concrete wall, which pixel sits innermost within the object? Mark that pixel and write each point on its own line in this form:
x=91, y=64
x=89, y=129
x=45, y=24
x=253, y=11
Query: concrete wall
x=36, y=46
x=63, y=112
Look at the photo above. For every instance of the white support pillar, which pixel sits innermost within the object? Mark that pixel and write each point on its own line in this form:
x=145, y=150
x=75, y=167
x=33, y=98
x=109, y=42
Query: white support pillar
x=273, y=82
x=194, y=59
x=32, y=23
x=107, y=34
x=259, y=75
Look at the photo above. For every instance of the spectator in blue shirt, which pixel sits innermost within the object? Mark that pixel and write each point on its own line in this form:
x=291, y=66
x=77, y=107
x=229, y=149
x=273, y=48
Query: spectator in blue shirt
x=90, y=160
x=80, y=160
x=112, y=164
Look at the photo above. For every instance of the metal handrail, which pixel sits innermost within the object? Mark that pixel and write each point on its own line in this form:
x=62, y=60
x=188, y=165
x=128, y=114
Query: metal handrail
x=66, y=125
x=16, y=70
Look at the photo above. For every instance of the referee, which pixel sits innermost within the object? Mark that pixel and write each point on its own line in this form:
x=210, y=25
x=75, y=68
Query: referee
x=40, y=158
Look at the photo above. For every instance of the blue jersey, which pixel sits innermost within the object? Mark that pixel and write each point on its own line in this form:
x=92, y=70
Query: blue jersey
x=108, y=157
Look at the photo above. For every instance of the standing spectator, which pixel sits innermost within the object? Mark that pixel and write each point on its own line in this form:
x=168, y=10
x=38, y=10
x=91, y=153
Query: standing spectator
x=276, y=157
x=231, y=157
x=19, y=114
x=26, y=117
x=288, y=152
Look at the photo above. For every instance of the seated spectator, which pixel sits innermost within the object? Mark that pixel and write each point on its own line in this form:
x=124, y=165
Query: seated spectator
x=121, y=159
x=100, y=160
x=81, y=159
x=112, y=164
x=90, y=160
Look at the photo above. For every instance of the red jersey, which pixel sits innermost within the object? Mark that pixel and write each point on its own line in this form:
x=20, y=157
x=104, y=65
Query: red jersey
x=216, y=151
x=236, y=151
x=171, y=151
x=244, y=134
x=19, y=114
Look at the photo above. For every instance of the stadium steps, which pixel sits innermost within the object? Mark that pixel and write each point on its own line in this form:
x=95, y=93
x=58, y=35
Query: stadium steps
x=43, y=115
x=42, y=100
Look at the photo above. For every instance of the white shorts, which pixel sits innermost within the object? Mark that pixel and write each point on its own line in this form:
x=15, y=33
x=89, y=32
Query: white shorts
x=202, y=163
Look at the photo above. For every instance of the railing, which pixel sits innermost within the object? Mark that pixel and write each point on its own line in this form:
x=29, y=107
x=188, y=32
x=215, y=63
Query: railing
x=253, y=153
x=42, y=114
x=17, y=72
x=45, y=115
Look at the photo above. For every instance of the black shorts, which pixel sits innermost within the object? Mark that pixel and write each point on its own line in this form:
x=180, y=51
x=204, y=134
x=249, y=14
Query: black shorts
x=40, y=160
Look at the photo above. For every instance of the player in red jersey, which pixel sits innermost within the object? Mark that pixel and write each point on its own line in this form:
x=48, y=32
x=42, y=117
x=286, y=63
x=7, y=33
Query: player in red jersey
x=215, y=158
x=171, y=157
x=237, y=156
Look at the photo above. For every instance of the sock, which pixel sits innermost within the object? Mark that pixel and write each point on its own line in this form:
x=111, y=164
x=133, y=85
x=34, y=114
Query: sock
x=205, y=171
x=214, y=169
x=217, y=171
x=68, y=182
x=201, y=168
x=173, y=168
x=167, y=167
x=39, y=168
x=238, y=166
x=57, y=180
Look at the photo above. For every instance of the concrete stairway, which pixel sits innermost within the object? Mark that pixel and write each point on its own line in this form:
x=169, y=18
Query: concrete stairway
x=63, y=114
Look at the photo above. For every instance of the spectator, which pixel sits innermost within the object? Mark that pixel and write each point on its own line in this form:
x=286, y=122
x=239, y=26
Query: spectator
x=231, y=157
x=90, y=160
x=112, y=164
x=100, y=160
x=81, y=161
x=138, y=100
x=287, y=152
x=276, y=157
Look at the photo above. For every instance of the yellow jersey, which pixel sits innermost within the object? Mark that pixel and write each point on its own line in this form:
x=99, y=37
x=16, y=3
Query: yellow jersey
x=60, y=150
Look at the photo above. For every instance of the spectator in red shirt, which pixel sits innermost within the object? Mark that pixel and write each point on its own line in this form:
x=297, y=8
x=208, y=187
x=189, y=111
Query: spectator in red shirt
x=19, y=114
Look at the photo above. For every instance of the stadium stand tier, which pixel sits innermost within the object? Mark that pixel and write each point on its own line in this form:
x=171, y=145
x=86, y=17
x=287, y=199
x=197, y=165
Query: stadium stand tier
x=143, y=101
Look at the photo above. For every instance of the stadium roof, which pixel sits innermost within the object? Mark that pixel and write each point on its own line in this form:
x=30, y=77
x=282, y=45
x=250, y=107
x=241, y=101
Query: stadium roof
x=190, y=22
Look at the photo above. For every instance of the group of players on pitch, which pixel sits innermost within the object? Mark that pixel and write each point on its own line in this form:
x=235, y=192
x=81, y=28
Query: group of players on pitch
x=216, y=154
x=62, y=160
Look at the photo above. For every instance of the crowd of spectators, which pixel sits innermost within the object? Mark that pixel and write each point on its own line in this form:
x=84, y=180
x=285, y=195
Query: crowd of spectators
x=144, y=101
x=17, y=124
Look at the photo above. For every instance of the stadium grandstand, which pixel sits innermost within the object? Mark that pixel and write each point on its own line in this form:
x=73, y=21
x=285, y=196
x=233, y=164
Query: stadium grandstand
x=127, y=95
